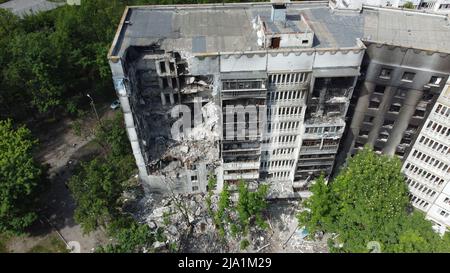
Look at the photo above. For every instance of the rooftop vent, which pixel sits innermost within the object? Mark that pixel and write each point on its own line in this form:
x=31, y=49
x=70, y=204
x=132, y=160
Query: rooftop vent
x=279, y=10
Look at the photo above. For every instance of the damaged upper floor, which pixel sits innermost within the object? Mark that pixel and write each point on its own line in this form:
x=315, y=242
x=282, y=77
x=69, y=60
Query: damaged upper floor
x=255, y=27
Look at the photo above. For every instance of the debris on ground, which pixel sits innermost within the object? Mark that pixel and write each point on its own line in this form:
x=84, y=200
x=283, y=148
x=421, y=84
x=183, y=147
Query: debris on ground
x=184, y=221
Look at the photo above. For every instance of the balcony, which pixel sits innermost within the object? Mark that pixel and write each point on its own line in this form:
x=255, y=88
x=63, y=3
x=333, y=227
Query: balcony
x=422, y=195
x=237, y=176
x=278, y=118
x=442, y=119
x=280, y=156
x=424, y=180
x=244, y=93
x=333, y=135
x=317, y=149
x=316, y=162
x=274, y=145
x=336, y=100
x=277, y=168
x=250, y=165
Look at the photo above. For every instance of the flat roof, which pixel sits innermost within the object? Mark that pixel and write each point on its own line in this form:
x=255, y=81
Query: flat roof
x=214, y=28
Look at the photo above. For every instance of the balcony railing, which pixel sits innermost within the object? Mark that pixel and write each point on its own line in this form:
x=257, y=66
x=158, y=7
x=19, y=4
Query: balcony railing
x=237, y=176
x=241, y=165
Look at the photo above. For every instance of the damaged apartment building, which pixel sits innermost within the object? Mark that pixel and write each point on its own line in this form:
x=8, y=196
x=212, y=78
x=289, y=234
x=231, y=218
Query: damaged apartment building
x=322, y=82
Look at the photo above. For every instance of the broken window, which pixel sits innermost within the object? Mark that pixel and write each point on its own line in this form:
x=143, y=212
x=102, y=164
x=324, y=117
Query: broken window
x=395, y=107
x=408, y=76
x=234, y=85
x=174, y=83
x=383, y=136
x=363, y=132
x=358, y=145
x=400, y=93
x=333, y=109
x=172, y=67
x=164, y=83
x=309, y=143
x=435, y=80
x=276, y=42
x=385, y=73
x=411, y=129
x=379, y=89
x=328, y=142
x=427, y=97
x=368, y=119
x=162, y=66
x=388, y=123
x=374, y=104
x=419, y=113
x=405, y=140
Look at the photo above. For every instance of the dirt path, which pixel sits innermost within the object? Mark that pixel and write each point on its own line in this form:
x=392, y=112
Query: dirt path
x=59, y=151
x=60, y=146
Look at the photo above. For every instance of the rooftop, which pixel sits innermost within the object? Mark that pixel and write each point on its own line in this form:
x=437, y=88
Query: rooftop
x=213, y=28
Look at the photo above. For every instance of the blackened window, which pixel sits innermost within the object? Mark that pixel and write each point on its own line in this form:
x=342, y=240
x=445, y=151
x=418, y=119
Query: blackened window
x=374, y=104
x=385, y=73
x=379, y=89
x=408, y=76
x=435, y=80
x=395, y=107
x=368, y=119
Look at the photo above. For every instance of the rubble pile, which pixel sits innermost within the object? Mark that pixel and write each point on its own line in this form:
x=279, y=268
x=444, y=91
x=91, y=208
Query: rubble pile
x=191, y=152
x=185, y=222
x=209, y=128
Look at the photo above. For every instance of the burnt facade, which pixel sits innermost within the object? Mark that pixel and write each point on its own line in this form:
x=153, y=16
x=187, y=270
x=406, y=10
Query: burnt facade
x=395, y=95
x=275, y=93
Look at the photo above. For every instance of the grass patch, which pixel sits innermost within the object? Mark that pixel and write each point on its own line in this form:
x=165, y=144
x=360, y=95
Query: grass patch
x=4, y=240
x=51, y=244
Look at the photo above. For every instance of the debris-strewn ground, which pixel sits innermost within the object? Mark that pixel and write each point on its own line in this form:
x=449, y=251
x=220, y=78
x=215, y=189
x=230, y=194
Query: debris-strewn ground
x=187, y=224
x=287, y=236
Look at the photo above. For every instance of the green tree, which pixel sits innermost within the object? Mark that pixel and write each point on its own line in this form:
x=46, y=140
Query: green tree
x=34, y=69
x=99, y=184
x=408, y=5
x=10, y=98
x=113, y=136
x=129, y=237
x=96, y=192
x=367, y=202
x=20, y=177
x=371, y=197
x=221, y=216
x=417, y=235
x=251, y=205
x=321, y=208
x=212, y=183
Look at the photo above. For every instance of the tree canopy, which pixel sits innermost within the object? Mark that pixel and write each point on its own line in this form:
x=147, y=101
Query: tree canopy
x=20, y=177
x=51, y=59
x=99, y=183
x=368, y=202
x=130, y=237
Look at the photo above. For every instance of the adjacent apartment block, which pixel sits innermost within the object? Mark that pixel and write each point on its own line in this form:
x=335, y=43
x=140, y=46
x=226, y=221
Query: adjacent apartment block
x=427, y=167
x=277, y=92
x=435, y=6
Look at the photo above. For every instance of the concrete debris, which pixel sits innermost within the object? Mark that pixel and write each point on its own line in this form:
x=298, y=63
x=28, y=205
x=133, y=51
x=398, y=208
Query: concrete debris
x=209, y=129
x=172, y=230
x=186, y=222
